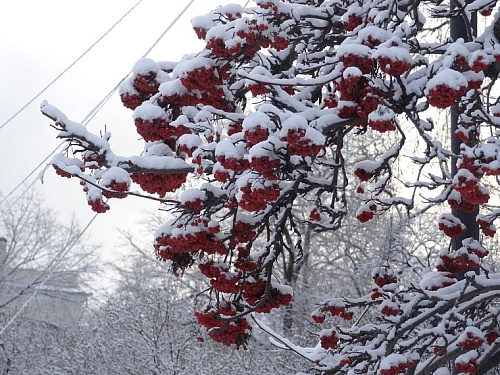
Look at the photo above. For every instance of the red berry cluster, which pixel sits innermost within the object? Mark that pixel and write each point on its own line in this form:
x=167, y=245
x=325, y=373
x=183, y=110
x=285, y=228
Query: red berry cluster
x=280, y=43
x=451, y=226
x=244, y=262
x=367, y=104
x=470, y=367
x=256, y=198
x=298, y=144
x=382, y=126
x=460, y=63
x=254, y=290
x=201, y=79
x=366, y=214
x=470, y=190
x=234, y=127
x=491, y=337
x=93, y=160
x=349, y=87
x=470, y=341
x=255, y=135
x=478, y=62
x=266, y=166
x=390, y=309
x=315, y=215
x=361, y=61
x=159, y=183
x=318, y=316
x=397, y=369
x=243, y=232
x=61, y=173
x=328, y=339
x=334, y=307
x=486, y=226
x=347, y=109
x=98, y=205
x=201, y=33
x=233, y=164
x=191, y=237
x=228, y=332
x=118, y=189
x=392, y=67
x=486, y=12
x=214, y=98
x=225, y=283
x=330, y=100
x=353, y=21
x=131, y=101
x=457, y=203
x=376, y=293
x=147, y=84
x=384, y=276
x=222, y=175
x=219, y=48
x=194, y=205
x=257, y=89
x=443, y=96
x=456, y=262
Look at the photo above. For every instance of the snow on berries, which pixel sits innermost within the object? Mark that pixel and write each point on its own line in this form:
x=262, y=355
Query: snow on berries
x=95, y=200
x=328, y=338
x=479, y=61
x=153, y=124
x=365, y=170
x=117, y=180
x=393, y=60
x=445, y=88
x=352, y=18
x=255, y=192
x=366, y=212
x=467, y=363
x=301, y=139
x=147, y=76
x=382, y=120
x=451, y=225
x=256, y=128
x=396, y=363
x=356, y=55
x=471, y=339
x=220, y=326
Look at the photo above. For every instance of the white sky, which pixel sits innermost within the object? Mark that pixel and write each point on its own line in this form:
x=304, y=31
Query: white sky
x=38, y=40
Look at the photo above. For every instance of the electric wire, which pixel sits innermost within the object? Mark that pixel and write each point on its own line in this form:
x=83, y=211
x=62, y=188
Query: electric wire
x=169, y=27
x=70, y=66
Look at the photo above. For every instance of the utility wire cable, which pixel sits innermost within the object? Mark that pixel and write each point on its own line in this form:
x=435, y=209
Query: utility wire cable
x=70, y=66
x=169, y=27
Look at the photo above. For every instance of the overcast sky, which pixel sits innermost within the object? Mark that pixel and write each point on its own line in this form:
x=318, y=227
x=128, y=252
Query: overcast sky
x=38, y=40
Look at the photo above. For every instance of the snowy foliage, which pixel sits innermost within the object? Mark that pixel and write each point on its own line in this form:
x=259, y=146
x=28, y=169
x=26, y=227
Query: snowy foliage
x=262, y=118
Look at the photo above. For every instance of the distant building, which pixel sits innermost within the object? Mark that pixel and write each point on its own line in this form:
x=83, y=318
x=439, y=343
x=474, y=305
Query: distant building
x=58, y=299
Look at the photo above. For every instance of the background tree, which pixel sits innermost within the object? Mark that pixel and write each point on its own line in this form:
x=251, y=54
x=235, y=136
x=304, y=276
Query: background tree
x=45, y=267
x=263, y=117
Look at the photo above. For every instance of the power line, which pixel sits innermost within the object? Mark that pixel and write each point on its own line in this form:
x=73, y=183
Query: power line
x=168, y=28
x=70, y=66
